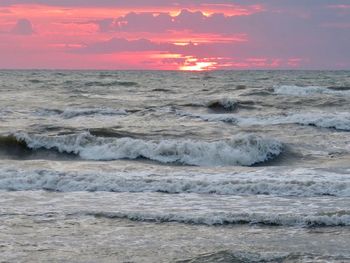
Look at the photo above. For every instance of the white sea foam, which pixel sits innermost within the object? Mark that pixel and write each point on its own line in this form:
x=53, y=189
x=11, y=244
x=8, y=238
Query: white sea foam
x=306, y=183
x=307, y=90
x=339, y=120
x=241, y=150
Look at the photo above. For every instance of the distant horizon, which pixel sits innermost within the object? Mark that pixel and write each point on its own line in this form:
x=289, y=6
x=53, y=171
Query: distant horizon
x=164, y=70
x=192, y=35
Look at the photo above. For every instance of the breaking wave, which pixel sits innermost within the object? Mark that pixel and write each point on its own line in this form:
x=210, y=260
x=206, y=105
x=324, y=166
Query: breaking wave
x=243, y=150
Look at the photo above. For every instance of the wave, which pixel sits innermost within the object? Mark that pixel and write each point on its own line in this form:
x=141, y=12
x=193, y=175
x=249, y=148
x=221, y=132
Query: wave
x=339, y=121
x=24, y=180
x=191, y=208
x=12, y=143
x=72, y=113
x=243, y=150
x=310, y=90
x=210, y=117
x=112, y=83
x=35, y=81
x=243, y=256
x=162, y=90
x=340, y=88
x=223, y=104
x=341, y=218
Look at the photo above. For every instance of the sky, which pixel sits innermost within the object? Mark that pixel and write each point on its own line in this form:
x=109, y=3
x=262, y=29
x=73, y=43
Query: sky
x=175, y=35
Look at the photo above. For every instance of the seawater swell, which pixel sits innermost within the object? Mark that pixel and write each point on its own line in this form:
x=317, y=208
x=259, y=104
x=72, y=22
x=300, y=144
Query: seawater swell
x=243, y=150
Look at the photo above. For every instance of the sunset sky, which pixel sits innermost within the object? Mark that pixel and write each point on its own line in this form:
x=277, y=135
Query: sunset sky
x=175, y=35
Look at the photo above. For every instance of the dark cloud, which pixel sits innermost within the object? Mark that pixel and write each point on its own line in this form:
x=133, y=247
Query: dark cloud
x=23, y=27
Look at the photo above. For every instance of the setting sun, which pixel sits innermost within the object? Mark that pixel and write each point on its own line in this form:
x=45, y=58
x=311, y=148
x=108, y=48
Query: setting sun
x=192, y=64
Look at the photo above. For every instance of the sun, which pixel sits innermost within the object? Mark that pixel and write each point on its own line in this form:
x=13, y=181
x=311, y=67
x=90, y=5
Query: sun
x=193, y=64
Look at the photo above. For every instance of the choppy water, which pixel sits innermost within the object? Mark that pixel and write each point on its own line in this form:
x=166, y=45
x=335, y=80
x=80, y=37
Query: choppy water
x=250, y=166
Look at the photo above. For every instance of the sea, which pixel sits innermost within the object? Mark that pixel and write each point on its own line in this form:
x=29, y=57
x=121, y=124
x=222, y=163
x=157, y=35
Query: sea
x=167, y=166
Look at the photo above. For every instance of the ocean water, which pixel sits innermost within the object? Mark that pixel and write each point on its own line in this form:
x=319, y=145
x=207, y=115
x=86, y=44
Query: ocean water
x=138, y=166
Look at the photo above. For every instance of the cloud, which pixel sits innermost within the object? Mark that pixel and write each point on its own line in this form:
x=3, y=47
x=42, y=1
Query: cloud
x=195, y=21
x=185, y=57
x=23, y=27
x=116, y=45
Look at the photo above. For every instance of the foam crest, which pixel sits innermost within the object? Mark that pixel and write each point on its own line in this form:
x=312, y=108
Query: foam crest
x=241, y=150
